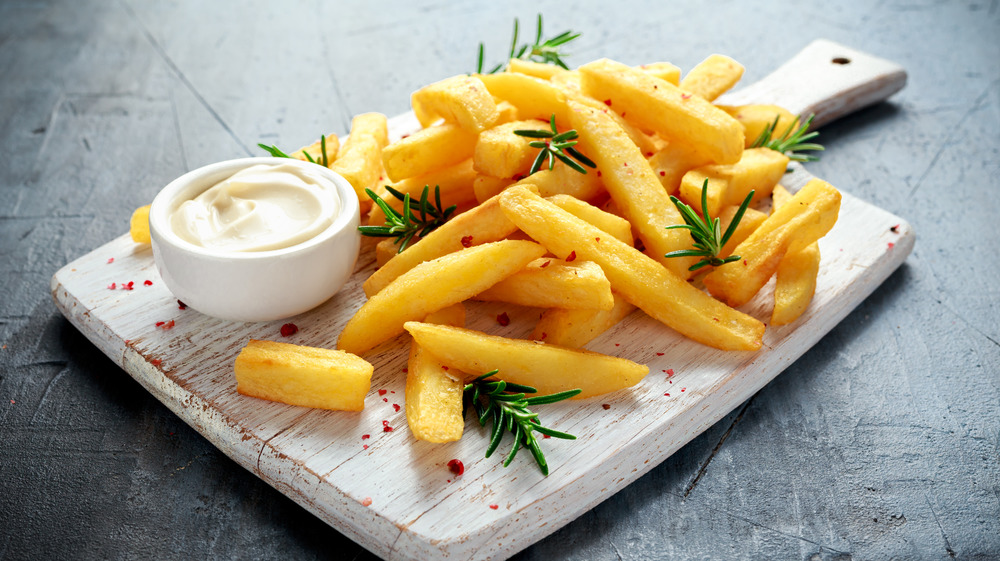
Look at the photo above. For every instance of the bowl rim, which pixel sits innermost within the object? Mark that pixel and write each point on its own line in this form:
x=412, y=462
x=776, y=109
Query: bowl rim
x=160, y=208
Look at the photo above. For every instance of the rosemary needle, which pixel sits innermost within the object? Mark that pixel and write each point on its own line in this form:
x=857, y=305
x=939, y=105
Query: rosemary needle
x=547, y=51
x=791, y=142
x=506, y=405
x=707, y=234
x=418, y=218
x=555, y=145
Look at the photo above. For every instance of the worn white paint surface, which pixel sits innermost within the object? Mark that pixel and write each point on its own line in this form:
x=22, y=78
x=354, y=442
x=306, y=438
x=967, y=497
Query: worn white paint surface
x=418, y=509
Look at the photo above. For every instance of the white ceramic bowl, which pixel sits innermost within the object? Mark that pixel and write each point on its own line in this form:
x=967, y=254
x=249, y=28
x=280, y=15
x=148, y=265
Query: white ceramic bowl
x=253, y=286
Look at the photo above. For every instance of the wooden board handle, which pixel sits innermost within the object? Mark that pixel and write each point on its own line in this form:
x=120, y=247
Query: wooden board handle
x=826, y=79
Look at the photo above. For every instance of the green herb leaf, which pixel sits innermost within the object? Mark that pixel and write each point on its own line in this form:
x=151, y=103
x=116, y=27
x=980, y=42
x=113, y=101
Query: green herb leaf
x=791, y=141
x=548, y=51
x=404, y=225
x=706, y=232
x=506, y=406
x=557, y=145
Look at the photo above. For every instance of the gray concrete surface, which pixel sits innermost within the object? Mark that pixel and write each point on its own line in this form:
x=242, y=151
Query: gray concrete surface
x=882, y=442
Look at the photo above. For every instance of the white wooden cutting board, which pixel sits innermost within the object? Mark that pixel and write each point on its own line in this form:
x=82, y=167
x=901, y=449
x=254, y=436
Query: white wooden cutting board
x=395, y=495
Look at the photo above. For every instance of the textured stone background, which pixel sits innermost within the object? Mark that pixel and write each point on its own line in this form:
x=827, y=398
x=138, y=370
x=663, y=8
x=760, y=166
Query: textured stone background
x=882, y=442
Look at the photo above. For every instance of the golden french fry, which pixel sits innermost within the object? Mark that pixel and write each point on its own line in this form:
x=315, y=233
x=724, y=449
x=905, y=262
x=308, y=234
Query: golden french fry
x=663, y=70
x=138, y=226
x=486, y=187
x=610, y=223
x=807, y=217
x=428, y=150
x=752, y=219
x=455, y=183
x=631, y=183
x=795, y=282
x=639, y=279
x=500, y=152
x=315, y=150
x=460, y=99
x=779, y=196
x=482, y=224
x=576, y=328
x=553, y=283
x=712, y=77
x=305, y=376
x=671, y=163
x=384, y=251
x=433, y=395
x=563, y=179
x=533, y=97
x=547, y=368
x=755, y=118
x=537, y=69
x=642, y=141
x=508, y=112
x=431, y=286
x=759, y=170
x=659, y=106
x=359, y=160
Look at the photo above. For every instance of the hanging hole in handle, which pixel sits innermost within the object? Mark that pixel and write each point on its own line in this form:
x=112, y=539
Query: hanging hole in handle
x=841, y=60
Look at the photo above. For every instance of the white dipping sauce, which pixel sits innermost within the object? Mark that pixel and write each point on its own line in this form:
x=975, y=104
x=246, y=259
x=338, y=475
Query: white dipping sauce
x=261, y=208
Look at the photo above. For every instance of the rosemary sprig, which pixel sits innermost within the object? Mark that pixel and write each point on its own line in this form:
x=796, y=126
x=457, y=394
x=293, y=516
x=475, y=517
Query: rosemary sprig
x=557, y=145
x=791, y=142
x=406, y=224
x=708, y=238
x=506, y=405
x=276, y=152
x=541, y=51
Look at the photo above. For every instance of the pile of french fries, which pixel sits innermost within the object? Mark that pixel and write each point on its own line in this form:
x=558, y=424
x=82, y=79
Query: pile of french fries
x=587, y=248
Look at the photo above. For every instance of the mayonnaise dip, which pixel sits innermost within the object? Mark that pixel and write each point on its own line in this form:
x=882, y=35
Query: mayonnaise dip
x=260, y=208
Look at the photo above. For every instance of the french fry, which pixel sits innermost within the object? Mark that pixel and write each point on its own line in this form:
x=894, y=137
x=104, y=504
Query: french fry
x=463, y=100
x=659, y=106
x=138, y=226
x=305, y=376
x=486, y=187
x=563, y=179
x=639, y=279
x=795, y=282
x=712, y=77
x=482, y=224
x=759, y=170
x=431, y=286
x=384, y=251
x=547, y=368
x=532, y=68
x=752, y=219
x=614, y=225
x=755, y=118
x=499, y=152
x=553, y=283
x=427, y=150
x=807, y=217
x=533, y=97
x=672, y=162
x=631, y=183
x=576, y=328
x=359, y=160
x=642, y=141
x=663, y=70
x=507, y=111
x=455, y=183
x=315, y=150
x=433, y=396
